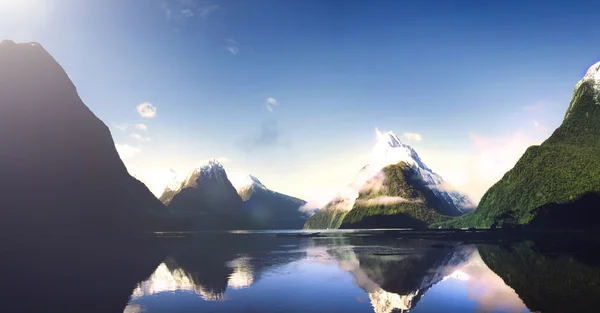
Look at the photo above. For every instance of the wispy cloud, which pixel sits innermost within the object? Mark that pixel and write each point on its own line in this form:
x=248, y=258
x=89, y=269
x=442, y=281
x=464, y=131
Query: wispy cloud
x=125, y=127
x=127, y=151
x=412, y=136
x=233, y=50
x=221, y=160
x=181, y=10
x=146, y=110
x=232, y=47
x=139, y=137
x=383, y=200
x=310, y=207
x=269, y=135
x=271, y=104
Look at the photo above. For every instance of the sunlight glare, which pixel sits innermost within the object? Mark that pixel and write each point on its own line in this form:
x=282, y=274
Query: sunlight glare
x=21, y=10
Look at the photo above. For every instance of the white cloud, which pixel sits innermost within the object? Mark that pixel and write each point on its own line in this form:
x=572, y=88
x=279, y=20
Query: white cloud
x=187, y=13
x=271, y=104
x=412, y=136
x=382, y=200
x=122, y=127
x=139, y=137
x=233, y=50
x=127, y=151
x=310, y=206
x=181, y=10
x=207, y=9
x=125, y=127
x=146, y=110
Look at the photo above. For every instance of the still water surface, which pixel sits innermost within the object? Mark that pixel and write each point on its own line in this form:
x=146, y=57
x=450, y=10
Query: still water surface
x=262, y=272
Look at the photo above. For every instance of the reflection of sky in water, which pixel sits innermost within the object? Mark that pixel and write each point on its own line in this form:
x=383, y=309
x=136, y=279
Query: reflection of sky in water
x=319, y=282
x=471, y=288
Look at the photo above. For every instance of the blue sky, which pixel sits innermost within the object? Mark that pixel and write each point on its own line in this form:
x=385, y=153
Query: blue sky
x=478, y=83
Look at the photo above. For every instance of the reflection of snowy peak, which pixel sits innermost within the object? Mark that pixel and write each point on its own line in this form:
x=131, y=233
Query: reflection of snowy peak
x=165, y=280
x=406, y=272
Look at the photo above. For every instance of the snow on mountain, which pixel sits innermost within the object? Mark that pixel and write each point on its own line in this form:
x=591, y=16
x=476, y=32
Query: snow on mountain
x=209, y=170
x=389, y=150
x=246, y=182
x=594, y=74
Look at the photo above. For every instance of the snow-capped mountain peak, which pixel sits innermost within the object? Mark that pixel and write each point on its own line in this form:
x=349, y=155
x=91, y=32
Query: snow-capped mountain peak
x=593, y=73
x=390, y=150
x=210, y=169
x=247, y=181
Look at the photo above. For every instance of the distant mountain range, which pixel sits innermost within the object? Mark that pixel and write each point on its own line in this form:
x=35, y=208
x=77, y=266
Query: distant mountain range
x=556, y=184
x=208, y=197
x=395, y=190
x=268, y=209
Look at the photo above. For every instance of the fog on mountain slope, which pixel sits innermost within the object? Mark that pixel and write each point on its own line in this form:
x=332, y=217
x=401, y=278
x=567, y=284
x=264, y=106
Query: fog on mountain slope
x=389, y=150
x=555, y=184
x=59, y=169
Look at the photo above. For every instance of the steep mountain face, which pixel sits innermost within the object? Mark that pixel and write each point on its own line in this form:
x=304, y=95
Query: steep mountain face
x=59, y=169
x=330, y=216
x=398, y=197
x=394, y=167
x=267, y=209
x=207, y=197
x=552, y=177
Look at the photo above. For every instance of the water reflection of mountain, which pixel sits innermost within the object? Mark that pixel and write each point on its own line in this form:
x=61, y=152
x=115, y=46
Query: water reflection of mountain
x=209, y=264
x=397, y=274
x=78, y=274
x=549, y=278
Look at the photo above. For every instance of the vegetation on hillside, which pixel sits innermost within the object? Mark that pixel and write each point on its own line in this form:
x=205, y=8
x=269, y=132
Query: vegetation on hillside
x=560, y=170
x=416, y=205
x=326, y=218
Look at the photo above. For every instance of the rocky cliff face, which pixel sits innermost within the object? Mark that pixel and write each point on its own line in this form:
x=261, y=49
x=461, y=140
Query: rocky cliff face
x=59, y=169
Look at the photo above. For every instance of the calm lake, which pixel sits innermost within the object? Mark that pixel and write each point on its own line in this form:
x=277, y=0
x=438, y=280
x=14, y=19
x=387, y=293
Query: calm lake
x=346, y=272
x=364, y=271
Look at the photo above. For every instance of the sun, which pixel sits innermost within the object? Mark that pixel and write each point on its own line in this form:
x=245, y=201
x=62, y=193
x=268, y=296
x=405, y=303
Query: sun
x=21, y=10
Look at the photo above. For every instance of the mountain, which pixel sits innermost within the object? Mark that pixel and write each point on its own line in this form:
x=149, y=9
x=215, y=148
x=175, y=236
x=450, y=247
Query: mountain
x=207, y=197
x=398, y=197
x=551, y=180
x=59, y=169
x=267, y=209
x=395, y=174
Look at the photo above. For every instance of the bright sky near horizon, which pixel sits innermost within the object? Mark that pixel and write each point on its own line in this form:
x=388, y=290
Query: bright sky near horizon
x=292, y=91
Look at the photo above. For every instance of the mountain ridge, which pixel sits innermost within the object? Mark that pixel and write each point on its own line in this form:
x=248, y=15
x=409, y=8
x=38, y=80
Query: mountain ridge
x=389, y=150
x=560, y=170
x=64, y=154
